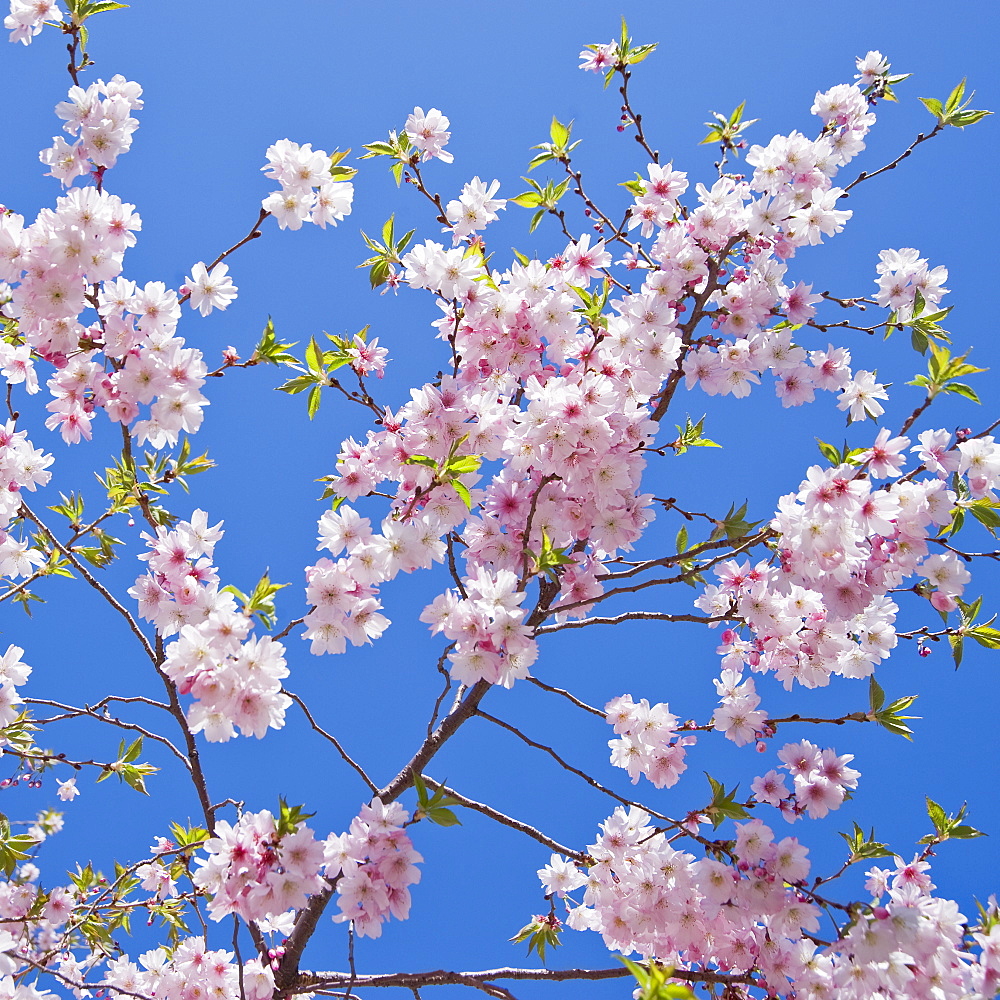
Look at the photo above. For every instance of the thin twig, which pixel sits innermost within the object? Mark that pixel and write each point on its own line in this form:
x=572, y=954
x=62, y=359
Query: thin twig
x=571, y=697
x=505, y=820
x=345, y=756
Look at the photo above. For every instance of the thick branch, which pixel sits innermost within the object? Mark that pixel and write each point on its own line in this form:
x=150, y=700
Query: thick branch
x=308, y=918
x=441, y=977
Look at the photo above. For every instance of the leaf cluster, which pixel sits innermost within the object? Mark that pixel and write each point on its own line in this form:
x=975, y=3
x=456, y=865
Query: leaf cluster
x=14, y=847
x=434, y=807
x=723, y=805
x=734, y=525
x=448, y=470
x=654, y=981
x=725, y=130
x=890, y=716
x=319, y=367
x=385, y=253
x=691, y=436
x=133, y=774
x=558, y=148
x=544, y=199
x=543, y=932
x=983, y=632
x=399, y=148
x=952, y=111
x=290, y=818
x=943, y=372
x=548, y=559
x=260, y=601
x=948, y=827
x=864, y=848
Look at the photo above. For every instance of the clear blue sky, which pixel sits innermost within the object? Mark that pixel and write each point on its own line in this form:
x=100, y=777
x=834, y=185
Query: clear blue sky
x=224, y=81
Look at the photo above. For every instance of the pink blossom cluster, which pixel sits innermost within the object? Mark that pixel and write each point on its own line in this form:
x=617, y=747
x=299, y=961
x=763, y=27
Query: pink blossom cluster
x=903, y=274
x=53, y=263
x=648, y=741
x=373, y=864
x=27, y=17
x=190, y=970
x=22, y=466
x=977, y=459
x=103, y=124
x=738, y=715
x=474, y=209
x=255, y=871
x=13, y=674
x=756, y=915
x=234, y=678
x=657, y=207
x=492, y=642
x=565, y=405
x=821, y=781
x=428, y=134
x=844, y=546
x=308, y=191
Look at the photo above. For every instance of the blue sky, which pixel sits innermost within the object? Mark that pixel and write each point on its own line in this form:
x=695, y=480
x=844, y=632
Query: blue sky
x=224, y=81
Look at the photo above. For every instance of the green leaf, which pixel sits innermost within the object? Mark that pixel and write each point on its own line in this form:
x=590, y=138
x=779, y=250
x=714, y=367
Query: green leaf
x=314, y=357
x=431, y=463
x=463, y=492
x=955, y=98
x=829, y=452
x=541, y=933
x=864, y=848
x=312, y=404
x=270, y=350
x=529, y=199
x=682, y=539
x=290, y=818
x=559, y=133
x=463, y=465
x=298, y=384
x=985, y=636
x=875, y=694
x=724, y=805
x=984, y=511
x=132, y=753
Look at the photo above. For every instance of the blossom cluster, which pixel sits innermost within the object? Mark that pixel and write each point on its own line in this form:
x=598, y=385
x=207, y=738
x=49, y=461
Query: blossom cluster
x=13, y=673
x=487, y=626
x=27, y=17
x=648, y=743
x=22, y=466
x=474, y=209
x=235, y=678
x=844, y=546
x=191, y=969
x=903, y=275
x=374, y=864
x=428, y=133
x=756, y=913
x=821, y=781
x=308, y=192
x=131, y=356
x=104, y=126
x=256, y=871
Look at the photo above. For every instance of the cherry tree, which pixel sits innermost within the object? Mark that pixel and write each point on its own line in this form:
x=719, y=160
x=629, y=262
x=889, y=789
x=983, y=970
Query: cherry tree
x=525, y=483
